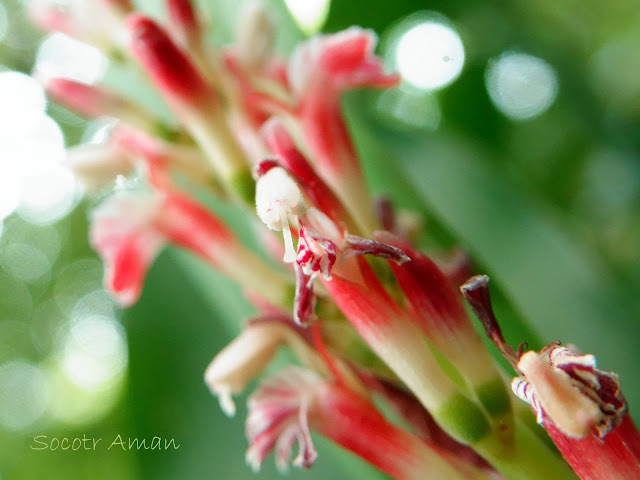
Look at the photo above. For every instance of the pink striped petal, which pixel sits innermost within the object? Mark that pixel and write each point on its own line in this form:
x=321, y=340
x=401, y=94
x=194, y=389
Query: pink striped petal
x=278, y=412
x=129, y=229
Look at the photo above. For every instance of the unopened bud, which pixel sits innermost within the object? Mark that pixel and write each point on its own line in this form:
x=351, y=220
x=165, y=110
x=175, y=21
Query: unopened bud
x=241, y=361
x=279, y=203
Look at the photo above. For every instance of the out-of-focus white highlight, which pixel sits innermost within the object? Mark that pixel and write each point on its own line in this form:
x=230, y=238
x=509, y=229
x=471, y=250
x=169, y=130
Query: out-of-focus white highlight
x=95, y=353
x=310, y=15
x=87, y=375
x=429, y=55
x=521, y=86
x=23, y=394
x=410, y=108
x=22, y=99
x=10, y=190
x=50, y=194
x=98, y=302
x=32, y=178
x=62, y=56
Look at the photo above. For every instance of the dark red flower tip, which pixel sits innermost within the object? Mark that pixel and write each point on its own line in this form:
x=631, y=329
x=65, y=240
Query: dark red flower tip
x=170, y=69
x=263, y=167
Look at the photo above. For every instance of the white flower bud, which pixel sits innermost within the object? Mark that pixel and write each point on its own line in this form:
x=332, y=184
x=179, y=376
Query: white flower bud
x=279, y=203
x=241, y=361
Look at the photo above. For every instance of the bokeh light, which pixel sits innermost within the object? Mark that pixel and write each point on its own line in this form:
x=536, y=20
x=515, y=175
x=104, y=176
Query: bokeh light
x=16, y=301
x=310, y=15
x=98, y=302
x=90, y=364
x=10, y=190
x=429, y=55
x=32, y=178
x=613, y=73
x=94, y=353
x=50, y=194
x=45, y=238
x=76, y=280
x=25, y=261
x=521, y=86
x=22, y=99
x=410, y=109
x=23, y=394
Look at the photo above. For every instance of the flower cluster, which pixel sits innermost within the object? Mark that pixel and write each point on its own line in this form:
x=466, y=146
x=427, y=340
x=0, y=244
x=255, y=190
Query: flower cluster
x=368, y=317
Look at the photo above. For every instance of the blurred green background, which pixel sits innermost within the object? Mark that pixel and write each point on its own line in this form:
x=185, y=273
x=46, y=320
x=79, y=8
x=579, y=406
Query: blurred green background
x=529, y=159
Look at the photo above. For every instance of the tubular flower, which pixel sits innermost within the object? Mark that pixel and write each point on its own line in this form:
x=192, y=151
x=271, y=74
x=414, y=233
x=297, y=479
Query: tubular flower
x=322, y=243
x=92, y=102
x=278, y=418
x=97, y=166
x=438, y=310
x=192, y=99
x=290, y=157
x=581, y=407
x=121, y=233
x=323, y=246
x=129, y=229
x=398, y=340
x=127, y=150
x=320, y=70
x=287, y=405
x=245, y=358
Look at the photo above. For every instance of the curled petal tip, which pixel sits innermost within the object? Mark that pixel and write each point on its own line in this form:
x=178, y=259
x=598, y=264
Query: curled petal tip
x=474, y=284
x=366, y=246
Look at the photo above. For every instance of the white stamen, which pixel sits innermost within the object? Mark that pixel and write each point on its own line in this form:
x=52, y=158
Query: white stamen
x=227, y=405
x=289, y=251
x=253, y=460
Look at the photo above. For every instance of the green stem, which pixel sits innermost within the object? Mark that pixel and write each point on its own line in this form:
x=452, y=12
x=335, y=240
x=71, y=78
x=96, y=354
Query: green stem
x=527, y=458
